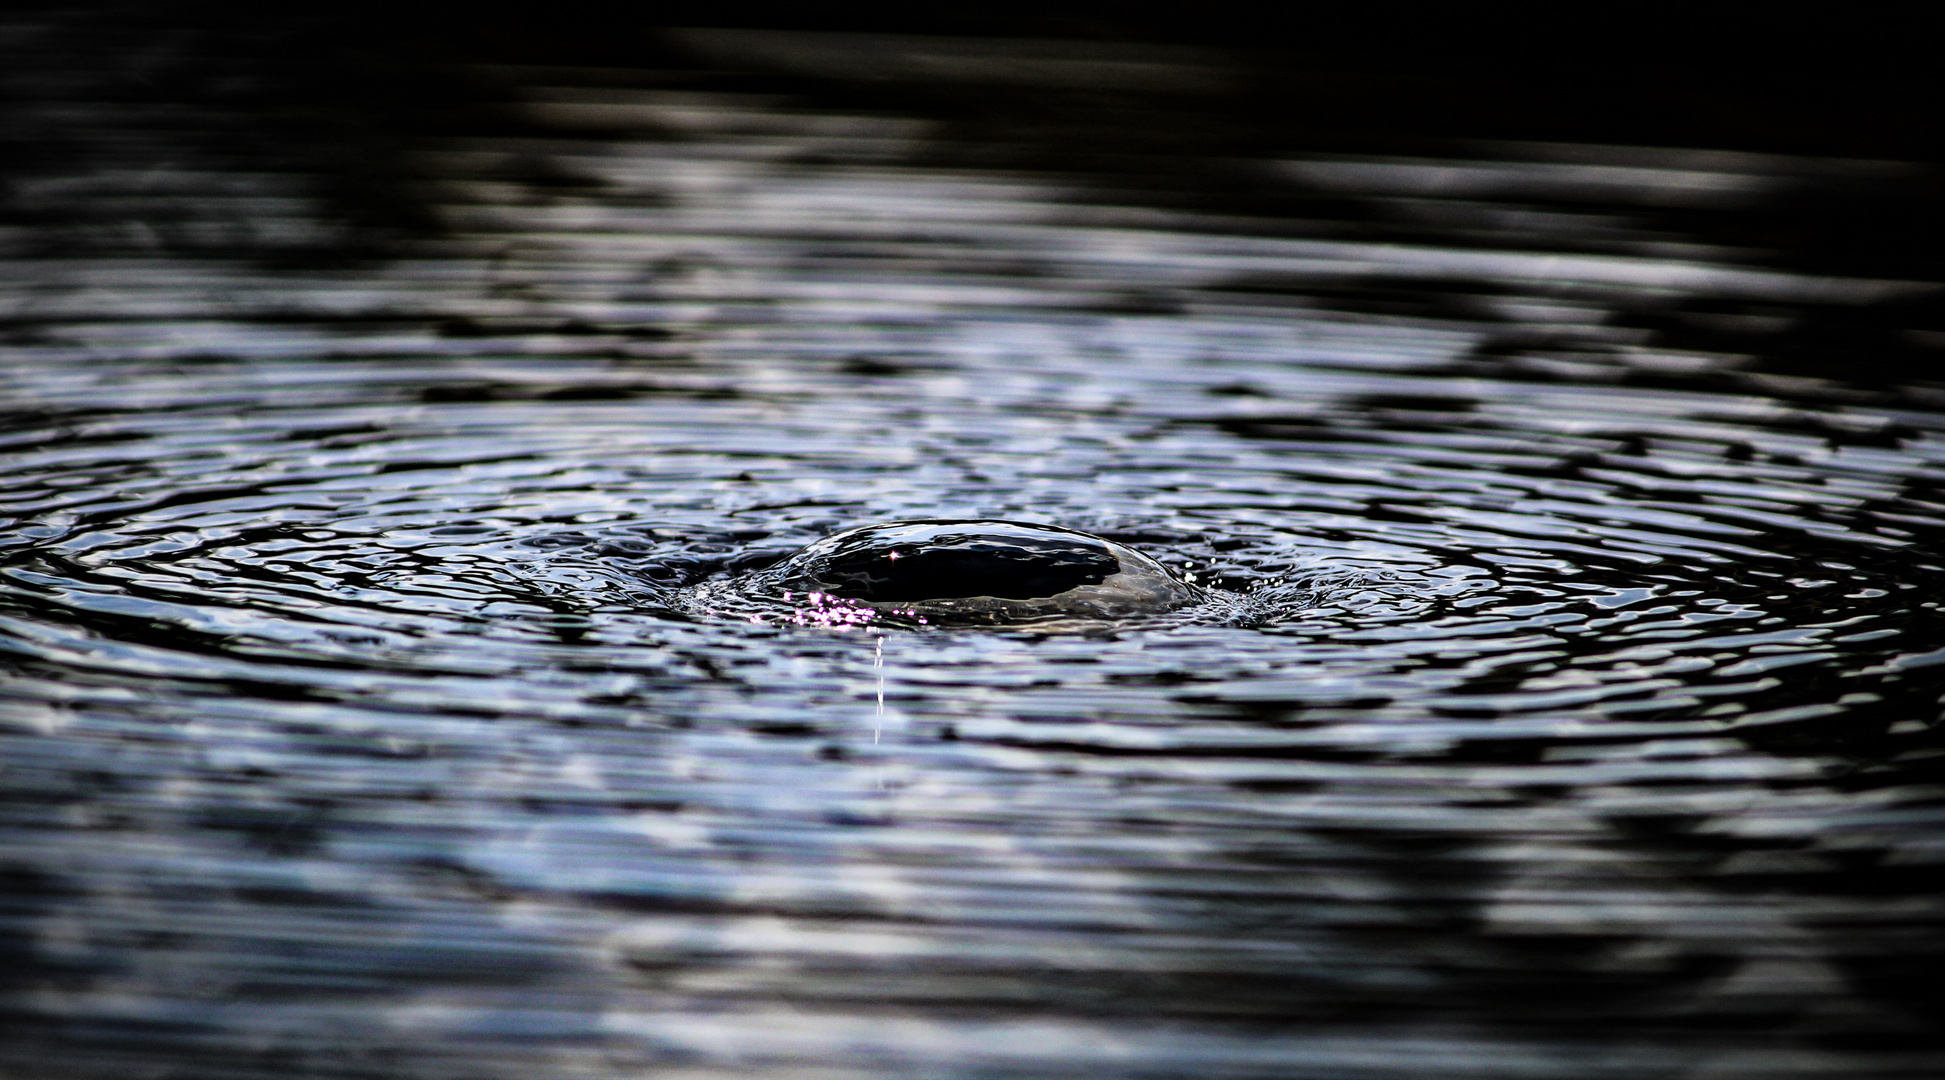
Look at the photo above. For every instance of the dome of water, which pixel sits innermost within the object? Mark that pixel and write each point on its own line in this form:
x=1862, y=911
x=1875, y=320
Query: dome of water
x=960, y=571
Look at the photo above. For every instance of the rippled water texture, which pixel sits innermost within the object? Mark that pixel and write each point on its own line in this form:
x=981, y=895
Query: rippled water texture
x=360, y=721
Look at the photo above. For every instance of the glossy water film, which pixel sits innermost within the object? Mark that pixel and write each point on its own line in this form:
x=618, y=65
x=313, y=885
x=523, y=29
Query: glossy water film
x=1367, y=606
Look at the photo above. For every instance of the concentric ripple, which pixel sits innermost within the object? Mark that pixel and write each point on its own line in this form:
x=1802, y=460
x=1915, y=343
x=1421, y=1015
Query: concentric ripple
x=407, y=672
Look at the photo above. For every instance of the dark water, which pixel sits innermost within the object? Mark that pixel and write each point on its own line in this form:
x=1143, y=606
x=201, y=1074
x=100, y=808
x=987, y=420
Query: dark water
x=1574, y=712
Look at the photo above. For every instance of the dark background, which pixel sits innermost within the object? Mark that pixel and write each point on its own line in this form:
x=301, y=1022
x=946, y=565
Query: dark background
x=339, y=94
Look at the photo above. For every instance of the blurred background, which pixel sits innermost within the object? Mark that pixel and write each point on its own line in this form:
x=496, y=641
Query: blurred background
x=1557, y=394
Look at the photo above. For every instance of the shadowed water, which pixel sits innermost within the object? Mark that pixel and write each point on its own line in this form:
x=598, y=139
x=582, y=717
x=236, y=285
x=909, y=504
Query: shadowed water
x=407, y=674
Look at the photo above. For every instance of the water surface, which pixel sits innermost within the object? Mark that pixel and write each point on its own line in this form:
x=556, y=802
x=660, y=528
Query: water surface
x=1585, y=501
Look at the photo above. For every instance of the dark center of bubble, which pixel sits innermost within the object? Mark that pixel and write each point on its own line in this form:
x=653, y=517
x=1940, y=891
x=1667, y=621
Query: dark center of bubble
x=892, y=569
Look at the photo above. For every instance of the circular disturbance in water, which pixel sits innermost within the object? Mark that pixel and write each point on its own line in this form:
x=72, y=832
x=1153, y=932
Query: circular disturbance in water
x=968, y=570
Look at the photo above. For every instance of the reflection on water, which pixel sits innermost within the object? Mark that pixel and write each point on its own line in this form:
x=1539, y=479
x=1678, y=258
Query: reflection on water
x=1586, y=500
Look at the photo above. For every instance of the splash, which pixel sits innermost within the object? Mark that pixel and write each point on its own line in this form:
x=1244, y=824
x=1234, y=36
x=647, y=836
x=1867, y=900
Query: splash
x=958, y=572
